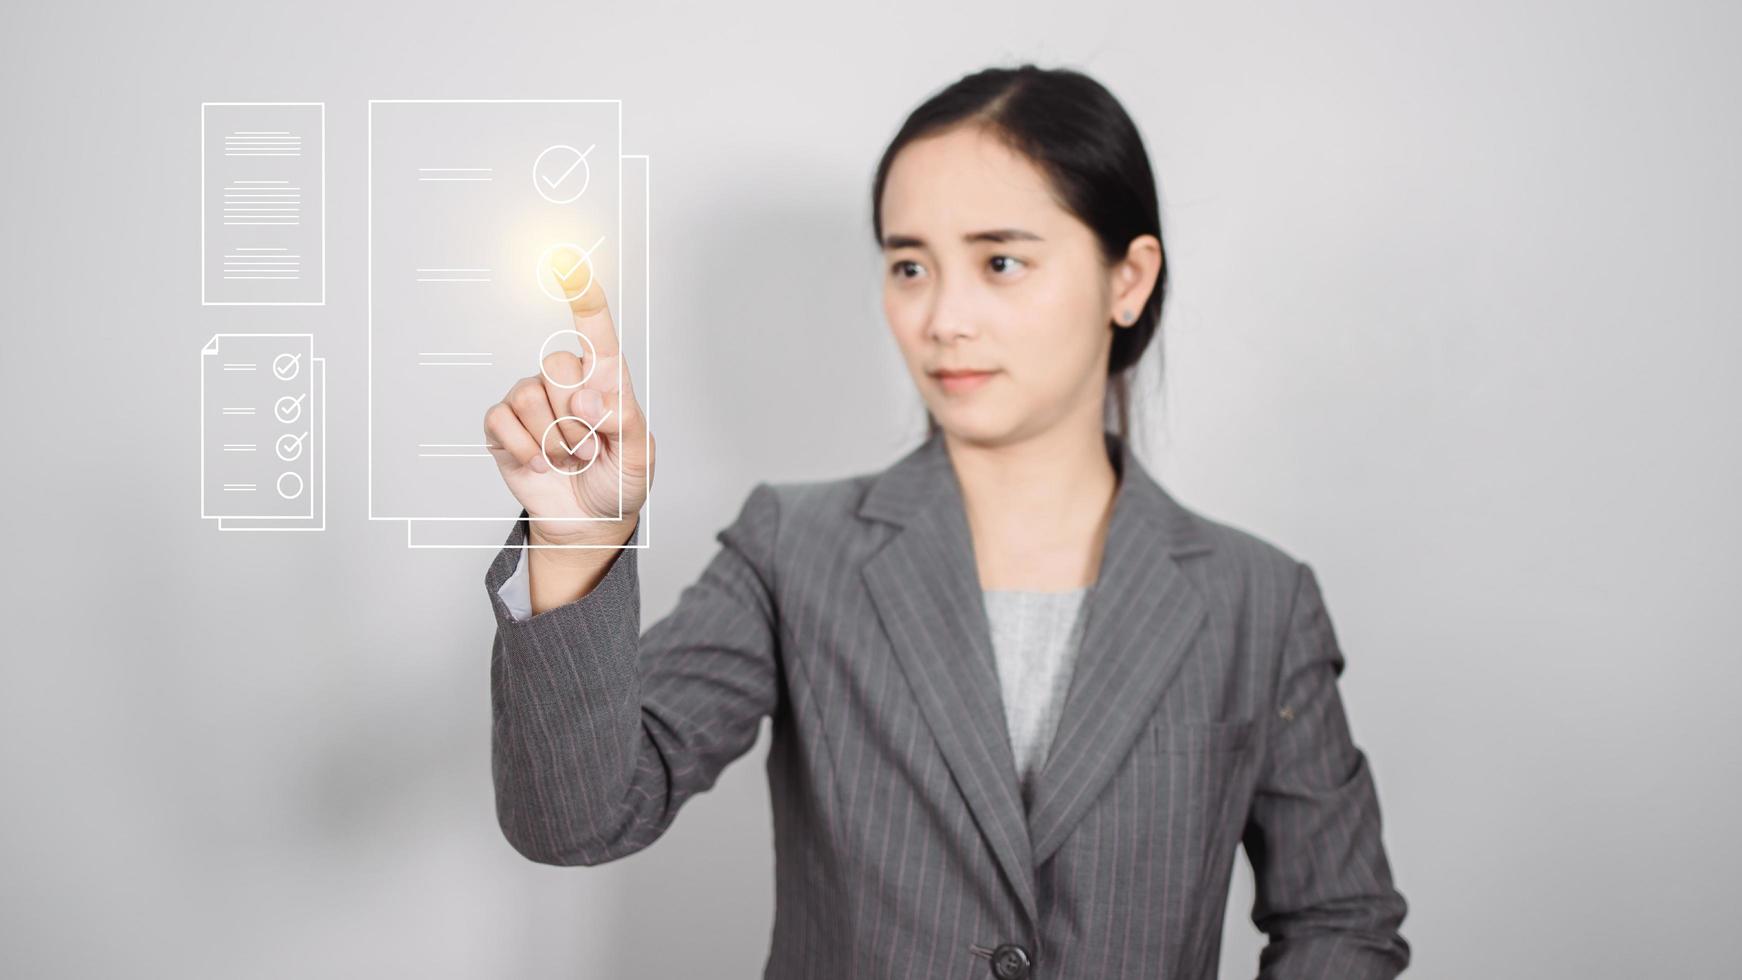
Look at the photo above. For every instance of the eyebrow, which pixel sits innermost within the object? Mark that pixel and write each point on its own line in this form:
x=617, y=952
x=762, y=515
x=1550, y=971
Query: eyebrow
x=995, y=235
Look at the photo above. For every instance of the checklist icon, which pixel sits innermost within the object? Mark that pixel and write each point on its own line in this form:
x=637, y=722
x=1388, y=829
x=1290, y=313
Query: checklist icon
x=471, y=271
x=262, y=433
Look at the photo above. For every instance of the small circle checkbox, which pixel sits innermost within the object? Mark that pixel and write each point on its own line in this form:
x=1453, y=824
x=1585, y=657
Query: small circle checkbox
x=288, y=409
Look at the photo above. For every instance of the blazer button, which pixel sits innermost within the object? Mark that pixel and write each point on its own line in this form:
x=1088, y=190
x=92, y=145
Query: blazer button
x=1010, y=962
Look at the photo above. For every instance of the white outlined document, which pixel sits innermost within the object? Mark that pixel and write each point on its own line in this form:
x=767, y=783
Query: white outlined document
x=262, y=432
x=262, y=204
x=466, y=201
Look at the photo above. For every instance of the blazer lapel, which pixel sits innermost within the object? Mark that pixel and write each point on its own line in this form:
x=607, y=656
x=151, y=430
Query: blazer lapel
x=1143, y=612
x=926, y=586
x=1142, y=615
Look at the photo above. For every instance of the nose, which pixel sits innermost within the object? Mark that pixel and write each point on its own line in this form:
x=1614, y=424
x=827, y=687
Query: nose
x=951, y=316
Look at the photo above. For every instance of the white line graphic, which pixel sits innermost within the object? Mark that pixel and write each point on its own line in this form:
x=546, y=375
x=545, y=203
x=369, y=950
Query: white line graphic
x=479, y=333
x=456, y=174
x=263, y=471
x=262, y=194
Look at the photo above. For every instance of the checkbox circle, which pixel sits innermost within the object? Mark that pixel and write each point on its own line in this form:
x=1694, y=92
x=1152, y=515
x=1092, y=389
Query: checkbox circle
x=287, y=409
x=545, y=273
x=290, y=485
x=288, y=447
x=590, y=358
x=561, y=173
x=592, y=433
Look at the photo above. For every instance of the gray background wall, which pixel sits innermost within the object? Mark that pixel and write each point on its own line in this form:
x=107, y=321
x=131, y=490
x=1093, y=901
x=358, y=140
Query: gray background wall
x=1451, y=322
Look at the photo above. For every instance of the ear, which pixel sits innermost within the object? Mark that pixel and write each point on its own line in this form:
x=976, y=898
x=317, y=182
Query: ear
x=1134, y=278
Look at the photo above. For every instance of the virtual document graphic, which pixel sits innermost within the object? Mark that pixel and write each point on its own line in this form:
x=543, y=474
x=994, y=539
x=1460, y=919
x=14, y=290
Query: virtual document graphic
x=471, y=203
x=262, y=204
x=263, y=433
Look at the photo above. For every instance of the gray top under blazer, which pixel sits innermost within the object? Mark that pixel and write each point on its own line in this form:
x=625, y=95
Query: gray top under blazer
x=1034, y=643
x=1203, y=715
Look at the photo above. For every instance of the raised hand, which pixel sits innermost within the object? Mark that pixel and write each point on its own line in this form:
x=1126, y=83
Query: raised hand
x=535, y=426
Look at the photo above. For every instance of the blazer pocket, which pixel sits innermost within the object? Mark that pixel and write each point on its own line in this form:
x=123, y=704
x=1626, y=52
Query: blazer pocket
x=1203, y=736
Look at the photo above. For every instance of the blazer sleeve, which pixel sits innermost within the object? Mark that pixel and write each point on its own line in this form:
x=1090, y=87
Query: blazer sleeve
x=601, y=734
x=1324, y=894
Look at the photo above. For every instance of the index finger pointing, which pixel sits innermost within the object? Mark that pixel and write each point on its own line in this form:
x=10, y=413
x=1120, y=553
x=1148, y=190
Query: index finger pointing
x=573, y=271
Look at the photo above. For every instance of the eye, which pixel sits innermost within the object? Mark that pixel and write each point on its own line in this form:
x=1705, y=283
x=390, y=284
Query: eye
x=900, y=265
x=1006, y=259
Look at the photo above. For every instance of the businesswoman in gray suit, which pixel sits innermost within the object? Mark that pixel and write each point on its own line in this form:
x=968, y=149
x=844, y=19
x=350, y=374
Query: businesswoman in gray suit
x=1025, y=704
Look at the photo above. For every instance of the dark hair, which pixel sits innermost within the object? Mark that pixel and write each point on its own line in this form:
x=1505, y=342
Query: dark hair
x=1071, y=127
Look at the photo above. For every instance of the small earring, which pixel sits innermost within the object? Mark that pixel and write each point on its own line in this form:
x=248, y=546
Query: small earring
x=1126, y=316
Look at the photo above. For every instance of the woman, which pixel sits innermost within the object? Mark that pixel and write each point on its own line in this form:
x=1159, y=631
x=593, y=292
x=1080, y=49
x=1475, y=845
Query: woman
x=1025, y=705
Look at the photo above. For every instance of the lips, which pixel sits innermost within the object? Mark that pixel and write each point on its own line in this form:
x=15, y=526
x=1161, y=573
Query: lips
x=959, y=381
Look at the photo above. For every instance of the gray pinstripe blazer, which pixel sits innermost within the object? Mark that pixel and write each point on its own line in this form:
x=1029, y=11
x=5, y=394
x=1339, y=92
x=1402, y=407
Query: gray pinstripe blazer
x=1203, y=713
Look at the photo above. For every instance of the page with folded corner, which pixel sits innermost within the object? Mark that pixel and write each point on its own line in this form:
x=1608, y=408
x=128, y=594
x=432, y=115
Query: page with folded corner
x=257, y=411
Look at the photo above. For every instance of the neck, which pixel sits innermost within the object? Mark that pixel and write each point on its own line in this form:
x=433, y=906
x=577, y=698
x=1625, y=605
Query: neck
x=1037, y=504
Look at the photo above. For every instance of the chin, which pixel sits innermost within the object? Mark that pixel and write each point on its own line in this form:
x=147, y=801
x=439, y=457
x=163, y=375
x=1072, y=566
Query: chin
x=971, y=424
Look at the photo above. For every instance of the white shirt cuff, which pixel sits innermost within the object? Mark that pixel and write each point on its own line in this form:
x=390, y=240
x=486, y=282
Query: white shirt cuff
x=516, y=591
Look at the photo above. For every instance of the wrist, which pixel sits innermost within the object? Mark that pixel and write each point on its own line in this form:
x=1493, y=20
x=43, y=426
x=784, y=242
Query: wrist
x=577, y=541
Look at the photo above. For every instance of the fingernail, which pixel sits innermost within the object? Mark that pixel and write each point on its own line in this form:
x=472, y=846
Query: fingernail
x=592, y=403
